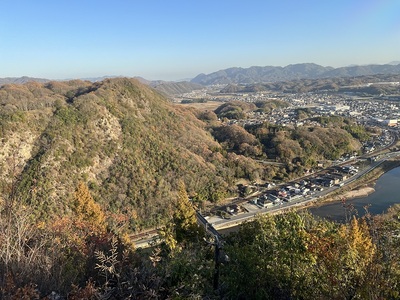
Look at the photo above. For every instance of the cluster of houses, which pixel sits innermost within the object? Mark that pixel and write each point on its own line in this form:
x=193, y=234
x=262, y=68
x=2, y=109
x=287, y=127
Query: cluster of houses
x=297, y=190
x=372, y=111
x=384, y=139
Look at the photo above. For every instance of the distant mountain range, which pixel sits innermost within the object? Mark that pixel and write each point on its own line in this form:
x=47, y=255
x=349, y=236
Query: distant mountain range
x=21, y=80
x=291, y=72
x=25, y=79
x=246, y=76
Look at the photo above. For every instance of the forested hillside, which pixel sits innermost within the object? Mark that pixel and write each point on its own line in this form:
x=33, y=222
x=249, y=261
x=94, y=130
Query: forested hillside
x=123, y=139
x=298, y=148
x=333, y=137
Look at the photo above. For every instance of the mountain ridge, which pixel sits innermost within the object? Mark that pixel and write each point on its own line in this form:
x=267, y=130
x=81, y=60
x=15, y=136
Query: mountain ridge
x=21, y=80
x=256, y=74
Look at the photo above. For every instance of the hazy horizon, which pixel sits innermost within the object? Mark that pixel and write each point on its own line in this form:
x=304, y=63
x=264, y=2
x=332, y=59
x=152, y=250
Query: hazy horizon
x=173, y=80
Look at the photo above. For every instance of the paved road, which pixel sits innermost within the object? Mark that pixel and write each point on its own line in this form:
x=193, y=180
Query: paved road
x=220, y=223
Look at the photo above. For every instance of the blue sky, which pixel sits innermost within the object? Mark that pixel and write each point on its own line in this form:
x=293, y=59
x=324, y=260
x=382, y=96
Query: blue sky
x=178, y=39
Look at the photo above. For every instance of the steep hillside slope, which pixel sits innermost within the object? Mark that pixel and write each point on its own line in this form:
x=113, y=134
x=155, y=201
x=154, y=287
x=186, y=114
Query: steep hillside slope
x=123, y=139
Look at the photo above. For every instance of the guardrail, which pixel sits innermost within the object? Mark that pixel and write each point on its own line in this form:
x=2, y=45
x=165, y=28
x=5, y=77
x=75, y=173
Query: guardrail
x=208, y=226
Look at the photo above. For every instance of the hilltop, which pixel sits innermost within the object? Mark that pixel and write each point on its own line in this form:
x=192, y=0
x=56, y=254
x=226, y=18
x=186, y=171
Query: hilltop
x=168, y=88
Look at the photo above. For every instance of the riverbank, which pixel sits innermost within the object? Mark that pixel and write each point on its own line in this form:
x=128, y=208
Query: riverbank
x=363, y=187
x=359, y=193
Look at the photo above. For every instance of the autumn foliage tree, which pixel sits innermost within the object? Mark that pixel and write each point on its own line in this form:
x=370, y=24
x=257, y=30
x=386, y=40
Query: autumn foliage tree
x=77, y=236
x=184, y=216
x=87, y=210
x=183, y=226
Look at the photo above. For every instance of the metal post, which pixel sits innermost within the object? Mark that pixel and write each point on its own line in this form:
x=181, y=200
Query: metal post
x=217, y=246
